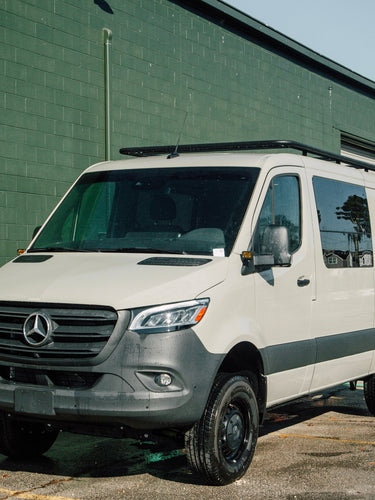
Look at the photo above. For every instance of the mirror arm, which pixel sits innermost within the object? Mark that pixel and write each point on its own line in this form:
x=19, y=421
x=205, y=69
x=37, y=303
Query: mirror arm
x=247, y=263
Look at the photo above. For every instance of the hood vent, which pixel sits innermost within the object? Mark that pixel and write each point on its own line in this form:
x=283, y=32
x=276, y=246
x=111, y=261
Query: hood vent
x=32, y=258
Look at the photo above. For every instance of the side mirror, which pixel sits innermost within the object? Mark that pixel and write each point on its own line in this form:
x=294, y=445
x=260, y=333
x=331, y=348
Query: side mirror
x=275, y=242
x=274, y=250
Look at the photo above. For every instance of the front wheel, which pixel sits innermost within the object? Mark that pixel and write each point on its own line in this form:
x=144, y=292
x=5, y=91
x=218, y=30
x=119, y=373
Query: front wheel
x=24, y=439
x=221, y=445
x=369, y=392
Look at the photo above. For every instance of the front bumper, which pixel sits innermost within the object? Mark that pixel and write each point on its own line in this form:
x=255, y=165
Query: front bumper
x=122, y=388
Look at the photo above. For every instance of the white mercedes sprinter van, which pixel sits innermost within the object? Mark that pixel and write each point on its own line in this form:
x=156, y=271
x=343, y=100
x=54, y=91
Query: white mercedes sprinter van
x=190, y=292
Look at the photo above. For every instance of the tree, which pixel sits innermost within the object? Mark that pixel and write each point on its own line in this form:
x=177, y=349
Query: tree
x=355, y=210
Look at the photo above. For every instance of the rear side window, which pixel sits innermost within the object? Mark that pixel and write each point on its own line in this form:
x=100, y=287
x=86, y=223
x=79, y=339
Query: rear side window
x=344, y=223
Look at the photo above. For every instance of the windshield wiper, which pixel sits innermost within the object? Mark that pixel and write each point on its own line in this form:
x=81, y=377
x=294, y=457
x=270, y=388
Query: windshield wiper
x=140, y=250
x=57, y=249
x=106, y=250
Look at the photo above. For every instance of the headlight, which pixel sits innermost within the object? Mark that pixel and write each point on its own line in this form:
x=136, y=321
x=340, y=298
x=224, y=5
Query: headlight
x=168, y=317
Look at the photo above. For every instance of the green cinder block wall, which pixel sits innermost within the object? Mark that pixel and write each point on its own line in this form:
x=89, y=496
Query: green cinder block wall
x=166, y=61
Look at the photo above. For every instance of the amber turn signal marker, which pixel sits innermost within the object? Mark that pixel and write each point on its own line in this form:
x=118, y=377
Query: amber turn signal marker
x=200, y=315
x=247, y=255
x=20, y=251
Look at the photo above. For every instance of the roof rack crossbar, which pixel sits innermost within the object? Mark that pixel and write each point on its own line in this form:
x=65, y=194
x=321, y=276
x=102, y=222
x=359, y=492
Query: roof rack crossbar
x=247, y=146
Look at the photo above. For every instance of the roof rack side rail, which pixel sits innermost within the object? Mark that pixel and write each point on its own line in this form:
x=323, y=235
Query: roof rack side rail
x=247, y=146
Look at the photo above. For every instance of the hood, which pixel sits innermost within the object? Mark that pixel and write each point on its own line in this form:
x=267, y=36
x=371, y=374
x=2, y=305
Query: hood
x=120, y=281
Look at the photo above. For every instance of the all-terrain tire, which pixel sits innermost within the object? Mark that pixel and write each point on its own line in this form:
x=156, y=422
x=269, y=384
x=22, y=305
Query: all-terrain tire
x=221, y=445
x=369, y=392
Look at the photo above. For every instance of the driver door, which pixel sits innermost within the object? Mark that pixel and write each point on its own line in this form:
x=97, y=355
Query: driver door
x=284, y=295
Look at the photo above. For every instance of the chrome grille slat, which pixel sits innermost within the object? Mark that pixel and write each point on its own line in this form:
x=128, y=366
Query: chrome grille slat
x=78, y=332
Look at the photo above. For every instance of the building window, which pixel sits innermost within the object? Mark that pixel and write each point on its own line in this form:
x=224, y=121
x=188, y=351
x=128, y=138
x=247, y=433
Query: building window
x=332, y=261
x=357, y=149
x=344, y=223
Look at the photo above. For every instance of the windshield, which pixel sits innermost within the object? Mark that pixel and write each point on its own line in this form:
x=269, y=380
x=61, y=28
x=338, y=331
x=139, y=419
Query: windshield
x=167, y=210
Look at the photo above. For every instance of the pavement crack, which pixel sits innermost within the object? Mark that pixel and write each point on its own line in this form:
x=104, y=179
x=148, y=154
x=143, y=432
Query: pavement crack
x=28, y=494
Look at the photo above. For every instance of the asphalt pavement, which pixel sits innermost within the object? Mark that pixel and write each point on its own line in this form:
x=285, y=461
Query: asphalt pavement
x=322, y=447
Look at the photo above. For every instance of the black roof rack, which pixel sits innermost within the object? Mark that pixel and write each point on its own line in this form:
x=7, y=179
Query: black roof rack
x=245, y=146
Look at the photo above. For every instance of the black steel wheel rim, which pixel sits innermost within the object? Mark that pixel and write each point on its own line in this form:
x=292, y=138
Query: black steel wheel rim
x=235, y=430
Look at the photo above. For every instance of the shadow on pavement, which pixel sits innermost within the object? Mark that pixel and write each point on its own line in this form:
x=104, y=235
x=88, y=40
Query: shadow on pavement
x=83, y=456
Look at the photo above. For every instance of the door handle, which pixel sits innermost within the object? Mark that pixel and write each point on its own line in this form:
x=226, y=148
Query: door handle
x=303, y=282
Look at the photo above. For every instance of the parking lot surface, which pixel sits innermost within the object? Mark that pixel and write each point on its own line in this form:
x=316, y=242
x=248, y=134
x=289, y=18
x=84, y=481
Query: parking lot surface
x=322, y=447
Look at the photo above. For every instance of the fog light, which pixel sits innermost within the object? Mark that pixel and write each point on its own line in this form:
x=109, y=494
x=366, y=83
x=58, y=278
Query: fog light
x=163, y=379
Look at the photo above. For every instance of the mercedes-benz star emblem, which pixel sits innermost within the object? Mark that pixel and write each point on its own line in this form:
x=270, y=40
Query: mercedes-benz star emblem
x=37, y=329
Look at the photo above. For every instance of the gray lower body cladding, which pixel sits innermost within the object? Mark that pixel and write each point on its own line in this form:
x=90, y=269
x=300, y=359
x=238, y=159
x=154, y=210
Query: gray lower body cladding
x=122, y=389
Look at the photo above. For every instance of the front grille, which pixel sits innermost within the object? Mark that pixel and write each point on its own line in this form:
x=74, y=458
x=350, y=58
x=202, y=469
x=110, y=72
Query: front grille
x=71, y=380
x=77, y=333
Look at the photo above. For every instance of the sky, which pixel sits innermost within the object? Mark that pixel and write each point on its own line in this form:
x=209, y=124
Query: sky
x=342, y=30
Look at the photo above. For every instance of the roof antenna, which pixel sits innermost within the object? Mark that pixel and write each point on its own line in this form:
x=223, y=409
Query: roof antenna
x=174, y=154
